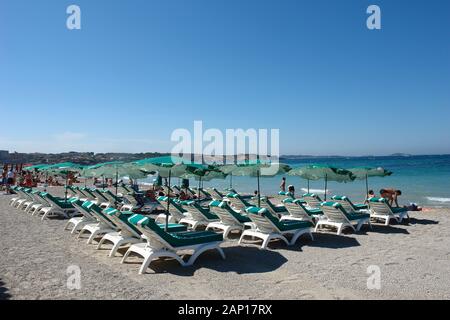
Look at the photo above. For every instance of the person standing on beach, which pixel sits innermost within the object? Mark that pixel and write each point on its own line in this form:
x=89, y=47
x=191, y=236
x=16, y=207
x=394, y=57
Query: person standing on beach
x=391, y=195
x=9, y=180
x=283, y=184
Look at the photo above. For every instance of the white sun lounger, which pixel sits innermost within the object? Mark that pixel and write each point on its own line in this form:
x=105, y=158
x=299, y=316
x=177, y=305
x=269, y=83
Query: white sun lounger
x=336, y=216
x=167, y=244
x=269, y=227
x=380, y=209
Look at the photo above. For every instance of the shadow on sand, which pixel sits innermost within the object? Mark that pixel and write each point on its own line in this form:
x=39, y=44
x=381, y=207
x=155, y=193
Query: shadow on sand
x=324, y=239
x=242, y=260
x=422, y=221
x=4, y=295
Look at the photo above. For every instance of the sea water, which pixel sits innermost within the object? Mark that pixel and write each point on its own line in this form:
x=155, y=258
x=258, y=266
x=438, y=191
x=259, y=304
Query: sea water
x=424, y=180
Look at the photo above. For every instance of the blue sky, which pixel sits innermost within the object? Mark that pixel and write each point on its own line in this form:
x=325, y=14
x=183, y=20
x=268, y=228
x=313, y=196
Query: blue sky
x=137, y=70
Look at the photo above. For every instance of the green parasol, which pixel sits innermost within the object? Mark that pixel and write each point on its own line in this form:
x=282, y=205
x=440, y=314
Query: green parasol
x=255, y=168
x=362, y=173
x=328, y=173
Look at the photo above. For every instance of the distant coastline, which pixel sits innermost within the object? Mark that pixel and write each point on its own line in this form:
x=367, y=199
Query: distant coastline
x=87, y=158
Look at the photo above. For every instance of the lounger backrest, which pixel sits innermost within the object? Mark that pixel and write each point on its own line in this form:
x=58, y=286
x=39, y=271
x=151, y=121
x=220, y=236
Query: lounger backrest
x=82, y=207
x=296, y=210
x=43, y=200
x=345, y=202
x=99, y=215
x=131, y=199
x=334, y=212
x=155, y=236
x=123, y=189
x=26, y=193
x=198, y=213
x=110, y=196
x=215, y=194
x=80, y=193
x=99, y=194
x=88, y=192
x=204, y=193
x=51, y=200
x=238, y=202
x=267, y=204
x=380, y=206
x=175, y=209
x=260, y=217
x=120, y=219
x=225, y=213
x=312, y=200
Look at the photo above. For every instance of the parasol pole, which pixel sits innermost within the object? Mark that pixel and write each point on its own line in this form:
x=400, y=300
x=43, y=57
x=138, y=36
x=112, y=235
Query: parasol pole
x=326, y=183
x=67, y=184
x=168, y=204
x=117, y=179
x=367, y=185
x=259, y=193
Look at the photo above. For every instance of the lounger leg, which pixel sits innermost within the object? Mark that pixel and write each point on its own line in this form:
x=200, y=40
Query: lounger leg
x=99, y=245
x=67, y=224
x=298, y=235
x=339, y=230
x=92, y=237
x=125, y=256
x=387, y=221
x=202, y=249
x=226, y=231
x=80, y=233
x=158, y=254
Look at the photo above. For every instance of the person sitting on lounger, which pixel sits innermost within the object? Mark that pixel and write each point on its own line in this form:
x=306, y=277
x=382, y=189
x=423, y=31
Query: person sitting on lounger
x=291, y=190
x=283, y=184
x=183, y=196
x=391, y=195
x=369, y=196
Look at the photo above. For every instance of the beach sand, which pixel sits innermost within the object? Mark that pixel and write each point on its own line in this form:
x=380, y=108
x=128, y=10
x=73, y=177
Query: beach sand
x=413, y=260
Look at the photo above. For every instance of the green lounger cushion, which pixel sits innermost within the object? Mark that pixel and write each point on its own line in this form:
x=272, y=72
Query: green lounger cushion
x=301, y=202
x=398, y=210
x=384, y=200
x=350, y=216
x=358, y=206
x=241, y=218
x=63, y=204
x=125, y=215
x=205, y=211
x=284, y=225
x=275, y=208
x=177, y=239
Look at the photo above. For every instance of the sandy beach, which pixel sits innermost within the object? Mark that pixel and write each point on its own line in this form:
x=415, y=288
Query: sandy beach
x=413, y=259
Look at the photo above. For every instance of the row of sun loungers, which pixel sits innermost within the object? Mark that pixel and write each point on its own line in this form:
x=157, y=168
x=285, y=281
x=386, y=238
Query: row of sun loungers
x=152, y=239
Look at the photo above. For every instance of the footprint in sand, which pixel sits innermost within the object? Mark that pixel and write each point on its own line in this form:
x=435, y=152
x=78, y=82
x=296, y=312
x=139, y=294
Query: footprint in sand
x=391, y=263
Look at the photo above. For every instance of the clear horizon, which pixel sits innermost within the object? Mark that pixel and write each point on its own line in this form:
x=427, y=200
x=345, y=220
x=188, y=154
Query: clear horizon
x=137, y=71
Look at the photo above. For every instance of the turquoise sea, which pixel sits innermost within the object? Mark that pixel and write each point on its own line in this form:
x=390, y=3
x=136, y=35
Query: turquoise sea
x=424, y=180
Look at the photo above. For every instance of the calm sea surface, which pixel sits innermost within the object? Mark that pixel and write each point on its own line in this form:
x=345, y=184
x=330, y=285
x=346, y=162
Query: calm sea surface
x=424, y=180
